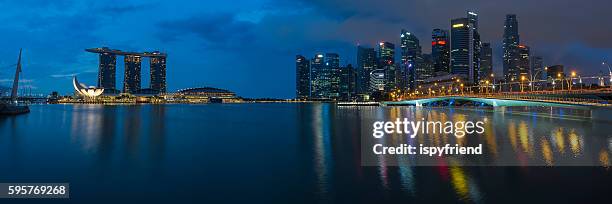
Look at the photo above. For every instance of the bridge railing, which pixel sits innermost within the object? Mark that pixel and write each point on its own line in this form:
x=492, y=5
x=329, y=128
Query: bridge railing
x=529, y=97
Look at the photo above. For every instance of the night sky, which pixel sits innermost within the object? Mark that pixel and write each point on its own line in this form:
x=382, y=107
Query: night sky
x=249, y=46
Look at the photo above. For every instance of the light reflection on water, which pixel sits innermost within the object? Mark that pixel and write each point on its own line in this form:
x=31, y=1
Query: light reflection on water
x=307, y=152
x=508, y=139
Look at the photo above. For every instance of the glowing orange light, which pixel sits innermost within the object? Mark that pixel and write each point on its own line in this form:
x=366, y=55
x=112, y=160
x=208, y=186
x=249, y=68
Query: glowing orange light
x=442, y=42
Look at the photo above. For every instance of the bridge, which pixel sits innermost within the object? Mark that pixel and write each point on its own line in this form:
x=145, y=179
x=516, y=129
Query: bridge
x=575, y=99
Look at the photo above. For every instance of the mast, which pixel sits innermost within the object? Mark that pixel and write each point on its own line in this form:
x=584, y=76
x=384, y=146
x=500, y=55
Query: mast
x=16, y=81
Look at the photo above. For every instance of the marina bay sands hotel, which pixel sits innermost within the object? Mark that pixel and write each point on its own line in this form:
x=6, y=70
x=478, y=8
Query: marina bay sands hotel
x=133, y=61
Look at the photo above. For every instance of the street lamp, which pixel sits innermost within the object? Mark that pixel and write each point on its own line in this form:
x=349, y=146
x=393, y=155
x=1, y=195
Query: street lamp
x=522, y=80
x=571, y=80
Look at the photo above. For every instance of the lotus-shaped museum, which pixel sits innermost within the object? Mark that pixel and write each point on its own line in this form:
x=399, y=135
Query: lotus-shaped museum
x=83, y=90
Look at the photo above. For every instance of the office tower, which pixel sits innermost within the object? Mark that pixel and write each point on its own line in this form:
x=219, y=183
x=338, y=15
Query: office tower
x=537, y=68
x=107, y=70
x=302, y=77
x=523, y=62
x=486, y=60
x=131, y=84
x=386, y=57
x=377, y=80
x=465, y=47
x=332, y=63
x=317, y=80
x=440, y=52
x=325, y=76
x=411, y=73
x=476, y=46
x=510, y=46
x=427, y=65
x=366, y=63
x=348, y=78
x=157, y=64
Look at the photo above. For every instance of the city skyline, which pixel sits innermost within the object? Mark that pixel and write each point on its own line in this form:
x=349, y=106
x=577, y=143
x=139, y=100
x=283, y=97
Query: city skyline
x=208, y=44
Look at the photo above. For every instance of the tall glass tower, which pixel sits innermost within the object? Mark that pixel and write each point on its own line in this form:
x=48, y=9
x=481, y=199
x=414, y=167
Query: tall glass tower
x=302, y=77
x=440, y=51
x=366, y=63
x=510, y=46
x=131, y=84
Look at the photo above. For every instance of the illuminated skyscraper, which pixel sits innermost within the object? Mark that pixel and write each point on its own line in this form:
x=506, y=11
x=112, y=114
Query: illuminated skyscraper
x=377, y=80
x=348, y=83
x=332, y=64
x=411, y=71
x=158, y=72
x=366, y=63
x=302, y=77
x=486, y=61
x=132, y=77
x=107, y=69
x=523, y=62
x=465, y=47
x=325, y=76
x=131, y=84
x=386, y=57
x=440, y=51
x=510, y=47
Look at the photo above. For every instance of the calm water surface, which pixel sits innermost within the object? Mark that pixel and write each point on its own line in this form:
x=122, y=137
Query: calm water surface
x=286, y=153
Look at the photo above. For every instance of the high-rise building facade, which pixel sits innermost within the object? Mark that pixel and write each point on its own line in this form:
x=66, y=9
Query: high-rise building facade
x=332, y=62
x=537, y=68
x=302, y=77
x=132, y=75
x=348, y=84
x=476, y=46
x=157, y=65
x=131, y=84
x=386, y=61
x=427, y=65
x=318, y=82
x=440, y=52
x=465, y=47
x=510, y=46
x=486, y=60
x=325, y=76
x=411, y=73
x=460, y=47
x=377, y=80
x=107, y=70
x=366, y=63
x=523, y=62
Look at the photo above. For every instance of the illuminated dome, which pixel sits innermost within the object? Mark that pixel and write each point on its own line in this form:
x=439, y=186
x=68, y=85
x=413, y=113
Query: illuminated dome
x=83, y=90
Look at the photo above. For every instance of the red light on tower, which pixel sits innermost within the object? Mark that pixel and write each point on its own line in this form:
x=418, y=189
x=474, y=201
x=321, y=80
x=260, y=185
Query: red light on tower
x=433, y=43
